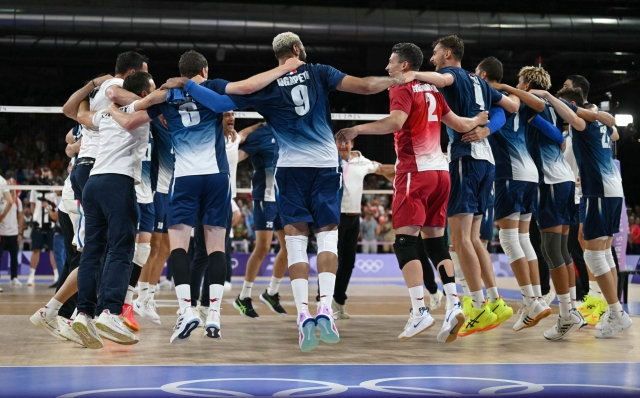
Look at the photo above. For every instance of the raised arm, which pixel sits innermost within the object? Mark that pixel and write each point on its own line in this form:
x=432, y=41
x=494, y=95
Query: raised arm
x=435, y=78
x=120, y=96
x=527, y=98
x=389, y=124
x=156, y=97
x=128, y=121
x=209, y=98
x=369, y=85
x=85, y=116
x=261, y=80
x=70, y=108
x=563, y=110
x=244, y=133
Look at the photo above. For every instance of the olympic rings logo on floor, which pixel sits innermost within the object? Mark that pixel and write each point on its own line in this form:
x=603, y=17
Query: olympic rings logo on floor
x=367, y=266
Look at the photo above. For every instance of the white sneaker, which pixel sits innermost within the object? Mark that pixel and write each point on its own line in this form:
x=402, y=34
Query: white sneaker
x=186, y=323
x=202, y=312
x=579, y=315
x=165, y=284
x=147, y=311
x=435, y=300
x=614, y=325
x=563, y=326
x=453, y=322
x=48, y=324
x=605, y=319
x=417, y=324
x=86, y=330
x=544, y=303
x=531, y=315
x=30, y=281
x=548, y=298
x=16, y=282
x=338, y=311
x=66, y=331
x=227, y=286
x=112, y=328
x=212, y=324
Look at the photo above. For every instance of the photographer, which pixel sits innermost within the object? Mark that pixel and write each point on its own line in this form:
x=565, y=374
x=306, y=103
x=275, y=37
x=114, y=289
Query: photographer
x=43, y=207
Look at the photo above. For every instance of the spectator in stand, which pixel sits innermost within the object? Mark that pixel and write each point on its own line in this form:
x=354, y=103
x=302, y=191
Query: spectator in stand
x=386, y=233
x=369, y=229
x=10, y=227
x=634, y=232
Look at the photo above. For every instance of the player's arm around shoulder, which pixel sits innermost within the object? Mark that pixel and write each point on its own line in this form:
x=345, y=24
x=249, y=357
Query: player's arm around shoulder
x=129, y=121
x=371, y=84
x=261, y=80
x=85, y=116
x=434, y=78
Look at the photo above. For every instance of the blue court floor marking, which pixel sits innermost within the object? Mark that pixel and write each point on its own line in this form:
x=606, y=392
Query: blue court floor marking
x=534, y=380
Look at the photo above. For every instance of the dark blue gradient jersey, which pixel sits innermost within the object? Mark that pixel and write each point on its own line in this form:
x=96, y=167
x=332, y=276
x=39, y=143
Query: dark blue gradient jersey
x=161, y=157
x=261, y=146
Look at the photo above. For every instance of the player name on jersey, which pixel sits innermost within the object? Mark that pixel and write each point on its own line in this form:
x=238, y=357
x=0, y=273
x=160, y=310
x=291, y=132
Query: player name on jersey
x=418, y=88
x=295, y=79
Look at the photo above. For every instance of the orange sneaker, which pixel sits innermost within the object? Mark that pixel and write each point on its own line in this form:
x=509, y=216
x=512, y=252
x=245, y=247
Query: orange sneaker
x=128, y=319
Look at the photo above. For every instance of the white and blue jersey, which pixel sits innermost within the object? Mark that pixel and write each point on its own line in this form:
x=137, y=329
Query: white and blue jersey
x=296, y=107
x=161, y=157
x=468, y=96
x=144, y=193
x=261, y=146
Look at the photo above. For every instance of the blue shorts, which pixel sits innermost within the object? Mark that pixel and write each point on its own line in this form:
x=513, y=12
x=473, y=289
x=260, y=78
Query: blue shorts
x=515, y=197
x=486, y=229
x=41, y=239
x=277, y=223
x=146, y=217
x=161, y=206
x=309, y=194
x=601, y=216
x=471, y=182
x=556, y=205
x=206, y=196
x=264, y=214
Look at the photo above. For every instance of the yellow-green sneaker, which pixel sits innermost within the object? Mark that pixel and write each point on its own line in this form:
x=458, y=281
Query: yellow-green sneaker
x=589, y=305
x=501, y=309
x=467, y=305
x=479, y=320
x=596, y=315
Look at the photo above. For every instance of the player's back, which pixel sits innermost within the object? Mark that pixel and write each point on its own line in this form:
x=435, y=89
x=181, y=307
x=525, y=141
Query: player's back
x=161, y=157
x=296, y=106
x=98, y=101
x=260, y=146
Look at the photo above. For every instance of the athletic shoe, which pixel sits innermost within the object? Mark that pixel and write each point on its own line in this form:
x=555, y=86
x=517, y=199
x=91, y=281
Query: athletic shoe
x=112, y=327
x=86, y=330
x=147, y=311
x=16, y=282
x=480, y=320
x=227, y=286
x=589, y=304
x=604, y=319
x=435, y=300
x=453, y=322
x=501, y=309
x=544, y=305
x=186, y=323
x=338, y=310
x=327, y=325
x=245, y=307
x=165, y=284
x=202, y=312
x=128, y=319
x=306, y=329
x=549, y=297
x=467, y=305
x=212, y=324
x=273, y=302
x=563, y=326
x=598, y=312
x=531, y=315
x=417, y=324
x=53, y=285
x=614, y=325
x=30, y=281
x=48, y=324
x=66, y=331
x=579, y=315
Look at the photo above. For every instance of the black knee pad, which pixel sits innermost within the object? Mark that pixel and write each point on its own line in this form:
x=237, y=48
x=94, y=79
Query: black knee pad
x=406, y=248
x=437, y=250
x=565, y=250
x=552, y=249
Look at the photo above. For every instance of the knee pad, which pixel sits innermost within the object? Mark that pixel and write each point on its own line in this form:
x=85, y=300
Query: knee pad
x=141, y=254
x=608, y=255
x=564, y=247
x=437, y=250
x=327, y=241
x=510, y=242
x=406, y=248
x=596, y=262
x=552, y=249
x=527, y=247
x=525, y=217
x=296, y=249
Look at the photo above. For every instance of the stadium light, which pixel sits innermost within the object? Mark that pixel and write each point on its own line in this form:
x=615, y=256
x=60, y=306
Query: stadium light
x=623, y=120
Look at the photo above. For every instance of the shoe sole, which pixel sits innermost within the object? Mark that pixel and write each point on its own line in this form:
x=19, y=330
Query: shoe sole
x=327, y=335
x=268, y=304
x=88, y=340
x=242, y=313
x=452, y=335
x=403, y=339
x=309, y=340
x=184, y=335
x=212, y=332
x=131, y=326
x=115, y=336
x=36, y=321
x=487, y=328
x=73, y=340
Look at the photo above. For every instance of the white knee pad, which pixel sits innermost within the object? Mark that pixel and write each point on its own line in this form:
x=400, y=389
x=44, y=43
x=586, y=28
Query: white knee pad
x=527, y=247
x=596, y=261
x=608, y=255
x=141, y=254
x=328, y=241
x=525, y=217
x=296, y=249
x=510, y=242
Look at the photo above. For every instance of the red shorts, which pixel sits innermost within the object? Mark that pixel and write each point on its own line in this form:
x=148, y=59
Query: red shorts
x=420, y=198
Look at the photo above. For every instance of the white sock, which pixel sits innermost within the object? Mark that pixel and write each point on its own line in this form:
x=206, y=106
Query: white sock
x=327, y=282
x=184, y=296
x=246, y=290
x=215, y=296
x=417, y=299
x=492, y=294
x=572, y=294
x=274, y=286
x=152, y=292
x=143, y=291
x=527, y=294
x=537, y=290
x=32, y=273
x=300, y=289
x=55, y=275
x=128, y=298
x=73, y=316
x=52, y=307
x=478, y=299
x=594, y=289
x=616, y=309
x=459, y=275
x=564, y=302
x=452, y=295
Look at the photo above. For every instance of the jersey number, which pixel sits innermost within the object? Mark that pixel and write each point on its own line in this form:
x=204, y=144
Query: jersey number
x=606, y=141
x=189, y=113
x=431, y=100
x=478, y=92
x=300, y=97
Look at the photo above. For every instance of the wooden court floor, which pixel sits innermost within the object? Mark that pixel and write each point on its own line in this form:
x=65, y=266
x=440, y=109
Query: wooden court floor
x=379, y=313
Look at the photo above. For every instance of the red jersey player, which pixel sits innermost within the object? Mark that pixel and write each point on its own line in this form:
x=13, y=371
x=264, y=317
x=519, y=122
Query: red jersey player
x=421, y=185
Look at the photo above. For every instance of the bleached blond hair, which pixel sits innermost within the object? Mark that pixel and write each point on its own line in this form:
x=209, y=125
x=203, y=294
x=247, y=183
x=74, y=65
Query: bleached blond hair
x=283, y=43
x=536, y=76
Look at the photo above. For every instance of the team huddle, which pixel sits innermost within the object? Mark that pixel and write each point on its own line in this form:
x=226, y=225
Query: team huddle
x=154, y=166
